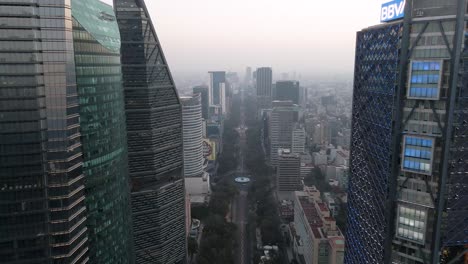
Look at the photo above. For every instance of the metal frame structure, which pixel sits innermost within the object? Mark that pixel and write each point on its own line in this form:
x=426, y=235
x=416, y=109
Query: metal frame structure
x=375, y=93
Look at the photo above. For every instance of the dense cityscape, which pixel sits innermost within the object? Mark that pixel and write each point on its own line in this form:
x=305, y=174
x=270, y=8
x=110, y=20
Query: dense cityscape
x=107, y=156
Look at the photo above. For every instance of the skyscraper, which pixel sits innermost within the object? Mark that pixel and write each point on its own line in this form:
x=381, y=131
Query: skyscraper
x=205, y=104
x=280, y=126
x=288, y=175
x=41, y=162
x=102, y=125
x=217, y=80
x=154, y=125
x=192, y=133
x=288, y=91
x=63, y=172
x=263, y=84
x=248, y=75
x=407, y=190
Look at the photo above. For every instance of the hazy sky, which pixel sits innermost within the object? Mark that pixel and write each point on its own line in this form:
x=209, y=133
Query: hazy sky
x=307, y=36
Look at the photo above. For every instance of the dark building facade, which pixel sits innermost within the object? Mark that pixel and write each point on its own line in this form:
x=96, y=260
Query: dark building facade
x=407, y=190
x=217, y=79
x=264, y=80
x=205, y=102
x=154, y=125
x=42, y=192
x=63, y=174
x=288, y=91
x=103, y=131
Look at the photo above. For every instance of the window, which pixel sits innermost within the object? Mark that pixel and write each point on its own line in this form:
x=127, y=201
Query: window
x=411, y=223
x=425, y=80
x=418, y=154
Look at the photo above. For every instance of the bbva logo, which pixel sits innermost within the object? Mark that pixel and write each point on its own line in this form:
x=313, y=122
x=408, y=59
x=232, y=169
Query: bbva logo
x=392, y=10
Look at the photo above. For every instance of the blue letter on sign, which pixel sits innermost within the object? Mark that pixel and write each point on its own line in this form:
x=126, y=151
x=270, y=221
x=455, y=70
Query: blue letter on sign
x=392, y=10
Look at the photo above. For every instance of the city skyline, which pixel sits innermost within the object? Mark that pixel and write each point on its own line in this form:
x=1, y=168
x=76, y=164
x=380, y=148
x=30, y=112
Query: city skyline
x=231, y=35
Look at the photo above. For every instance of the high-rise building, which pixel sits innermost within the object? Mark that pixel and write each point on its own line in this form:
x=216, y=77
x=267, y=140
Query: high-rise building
x=263, y=85
x=298, y=139
x=192, y=134
x=407, y=188
x=63, y=169
x=288, y=91
x=155, y=153
x=96, y=42
x=288, y=174
x=42, y=190
x=248, y=75
x=205, y=102
x=280, y=126
x=217, y=79
x=223, y=99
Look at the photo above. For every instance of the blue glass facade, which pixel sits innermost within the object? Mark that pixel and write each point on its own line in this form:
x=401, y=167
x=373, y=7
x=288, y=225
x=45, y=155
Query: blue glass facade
x=425, y=79
x=417, y=154
x=420, y=215
x=376, y=73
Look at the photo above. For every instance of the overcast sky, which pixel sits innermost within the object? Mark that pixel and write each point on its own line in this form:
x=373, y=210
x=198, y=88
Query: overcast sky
x=308, y=36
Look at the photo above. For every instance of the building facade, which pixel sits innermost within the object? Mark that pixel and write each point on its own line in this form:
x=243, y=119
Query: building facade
x=288, y=91
x=298, y=139
x=63, y=151
x=41, y=162
x=217, y=80
x=205, y=102
x=318, y=239
x=408, y=156
x=280, y=126
x=103, y=131
x=288, y=174
x=154, y=129
x=192, y=134
x=264, y=82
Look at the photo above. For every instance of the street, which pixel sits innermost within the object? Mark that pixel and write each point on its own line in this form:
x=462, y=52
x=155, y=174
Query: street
x=240, y=203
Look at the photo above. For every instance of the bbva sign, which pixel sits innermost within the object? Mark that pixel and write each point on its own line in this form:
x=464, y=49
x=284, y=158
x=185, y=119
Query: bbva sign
x=392, y=10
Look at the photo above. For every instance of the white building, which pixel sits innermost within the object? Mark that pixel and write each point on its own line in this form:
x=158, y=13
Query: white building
x=198, y=189
x=192, y=123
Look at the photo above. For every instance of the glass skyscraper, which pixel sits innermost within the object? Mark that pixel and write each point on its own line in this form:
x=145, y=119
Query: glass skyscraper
x=63, y=175
x=103, y=131
x=408, y=184
x=42, y=192
x=154, y=124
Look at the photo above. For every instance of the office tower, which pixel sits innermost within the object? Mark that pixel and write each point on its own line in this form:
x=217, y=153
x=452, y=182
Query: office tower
x=248, y=75
x=264, y=82
x=281, y=122
x=288, y=175
x=298, y=139
x=217, y=78
x=154, y=125
x=205, y=104
x=192, y=134
x=288, y=91
x=407, y=196
x=223, y=98
x=103, y=131
x=65, y=158
x=41, y=162
x=319, y=239
x=196, y=180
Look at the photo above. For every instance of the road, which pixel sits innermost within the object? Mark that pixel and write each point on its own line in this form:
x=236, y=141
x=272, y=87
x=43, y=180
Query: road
x=240, y=203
